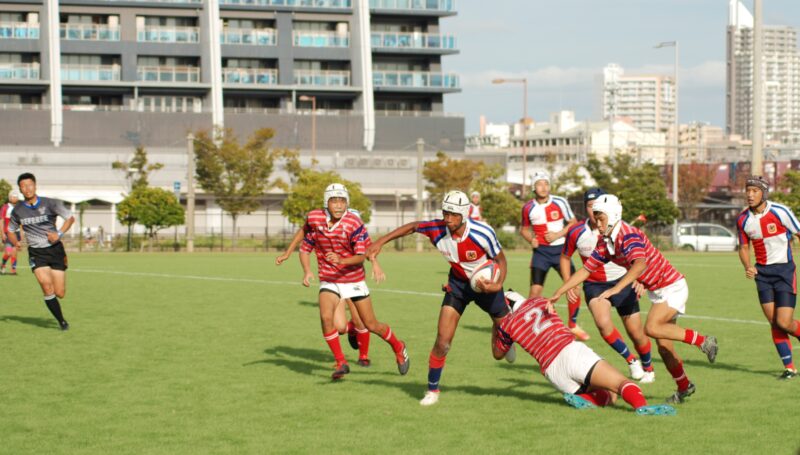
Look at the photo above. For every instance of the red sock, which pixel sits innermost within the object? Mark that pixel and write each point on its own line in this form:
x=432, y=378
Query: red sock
x=363, y=343
x=389, y=337
x=692, y=337
x=632, y=394
x=645, y=355
x=796, y=332
x=618, y=344
x=572, y=309
x=679, y=376
x=599, y=397
x=333, y=342
x=351, y=328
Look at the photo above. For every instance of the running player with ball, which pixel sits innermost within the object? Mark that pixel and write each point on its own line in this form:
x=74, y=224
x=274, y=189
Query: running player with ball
x=467, y=245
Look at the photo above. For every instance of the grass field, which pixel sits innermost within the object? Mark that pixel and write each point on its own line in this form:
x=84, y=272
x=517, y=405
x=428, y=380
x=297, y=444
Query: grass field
x=172, y=353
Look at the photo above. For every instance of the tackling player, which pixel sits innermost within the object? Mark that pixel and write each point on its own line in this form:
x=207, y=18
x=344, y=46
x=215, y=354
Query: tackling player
x=582, y=238
x=340, y=240
x=10, y=252
x=546, y=219
x=629, y=247
x=586, y=380
x=769, y=227
x=466, y=245
x=45, y=251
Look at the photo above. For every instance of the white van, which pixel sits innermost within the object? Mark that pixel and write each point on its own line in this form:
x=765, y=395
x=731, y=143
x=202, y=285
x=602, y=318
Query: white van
x=705, y=237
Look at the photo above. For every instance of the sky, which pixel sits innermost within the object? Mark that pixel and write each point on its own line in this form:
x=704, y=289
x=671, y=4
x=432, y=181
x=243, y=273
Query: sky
x=561, y=46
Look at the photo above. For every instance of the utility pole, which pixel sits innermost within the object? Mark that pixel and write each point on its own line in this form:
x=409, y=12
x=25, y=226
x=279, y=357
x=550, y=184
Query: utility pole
x=758, y=90
x=190, y=193
x=420, y=150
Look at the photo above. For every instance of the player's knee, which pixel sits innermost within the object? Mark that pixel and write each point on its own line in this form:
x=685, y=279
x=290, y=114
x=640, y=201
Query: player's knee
x=784, y=324
x=652, y=329
x=61, y=293
x=442, y=346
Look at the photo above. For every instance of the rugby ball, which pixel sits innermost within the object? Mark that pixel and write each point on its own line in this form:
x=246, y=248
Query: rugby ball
x=488, y=271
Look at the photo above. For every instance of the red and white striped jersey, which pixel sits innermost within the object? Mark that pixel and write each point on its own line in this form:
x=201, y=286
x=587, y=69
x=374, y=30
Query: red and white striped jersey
x=583, y=238
x=628, y=244
x=550, y=216
x=770, y=232
x=347, y=238
x=465, y=253
x=540, y=333
x=475, y=212
x=5, y=215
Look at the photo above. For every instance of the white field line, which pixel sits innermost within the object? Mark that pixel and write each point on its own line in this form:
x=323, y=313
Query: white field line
x=378, y=289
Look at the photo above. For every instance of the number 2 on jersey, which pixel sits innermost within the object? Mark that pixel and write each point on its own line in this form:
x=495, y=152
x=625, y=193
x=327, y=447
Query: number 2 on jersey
x=538, y=325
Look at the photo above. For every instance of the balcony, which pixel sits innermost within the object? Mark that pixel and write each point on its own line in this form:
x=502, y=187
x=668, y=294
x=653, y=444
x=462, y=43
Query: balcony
x=104, y=73
x=168, y=74
x=90, y=32
x=321, y=39
x=437, y=6
x=292, y=3
x=19, y=71
x=19, y=30
x=421, y=41
x=259, y=76
x=415, y=79
x=249, y=36
x=322, y=78
x=161, y=1
x=168, y=34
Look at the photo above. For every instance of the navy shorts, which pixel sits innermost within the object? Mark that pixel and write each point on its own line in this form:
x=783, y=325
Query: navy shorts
x=545, y=258
x=459, y=294
x=625, y=302
x=777, y=283
x=52, y=256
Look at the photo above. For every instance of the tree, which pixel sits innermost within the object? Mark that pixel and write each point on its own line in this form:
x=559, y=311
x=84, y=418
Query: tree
x=447, y=174
x=498, y=206
x=5, y=188
x=137, y=170
x=236, y=174
x=640, y=188
x=306, y=194
x=695, y=180
x=153, y=208
x=788, y=191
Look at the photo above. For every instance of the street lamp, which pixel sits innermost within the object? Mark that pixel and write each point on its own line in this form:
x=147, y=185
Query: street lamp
x=674, y=44
x=524, y=82
x=313, y=100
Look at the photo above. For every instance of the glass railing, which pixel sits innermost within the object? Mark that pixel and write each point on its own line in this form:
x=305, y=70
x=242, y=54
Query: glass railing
x=322, y=78
x=414, y=5
x=402, y=40
x=261, y=76
x=19, y=71
x=70, y=72
x=252, y=36
x=159, y=1
x=90, y=32
x=168, y=34
x=414, y=79
x=168, y=73
x=292, y=3
x=321, y=39
x=19, y=30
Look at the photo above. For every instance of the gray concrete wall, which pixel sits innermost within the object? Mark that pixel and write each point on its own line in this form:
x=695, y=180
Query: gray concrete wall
x=398, y=133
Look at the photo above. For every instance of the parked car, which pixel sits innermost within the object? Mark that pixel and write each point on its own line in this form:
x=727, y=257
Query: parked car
x=706, y=237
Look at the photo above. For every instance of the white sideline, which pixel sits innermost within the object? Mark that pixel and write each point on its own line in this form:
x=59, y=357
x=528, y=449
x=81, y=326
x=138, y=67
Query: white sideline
x=374, y=289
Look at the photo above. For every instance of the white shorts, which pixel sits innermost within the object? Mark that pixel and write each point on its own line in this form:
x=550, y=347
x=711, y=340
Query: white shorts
x=571, y=366
x=346, y=290
x=675, y=295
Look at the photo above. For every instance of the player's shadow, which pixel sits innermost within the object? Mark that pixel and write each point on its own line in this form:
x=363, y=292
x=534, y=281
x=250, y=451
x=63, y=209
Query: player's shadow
x=729, y=367
x=38, y=322
x=308, y=303
x=477, y=328
x=299, y=360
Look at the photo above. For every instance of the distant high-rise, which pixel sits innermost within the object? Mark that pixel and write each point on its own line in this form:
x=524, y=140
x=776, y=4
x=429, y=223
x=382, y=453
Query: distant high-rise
x=781, y=70
x=647, y=100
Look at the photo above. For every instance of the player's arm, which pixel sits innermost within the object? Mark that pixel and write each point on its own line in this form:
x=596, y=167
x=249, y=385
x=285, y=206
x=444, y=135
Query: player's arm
x=305, y=262
x=12, y=236
x=744, y=257
x=298, y=237
x=637, y=268
x=377, y=271
x=579, y=277
x=54, y=237
x=551, y=236
x=334, y=258
x=501, y=342
x=527, y=233
x=402, y=231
